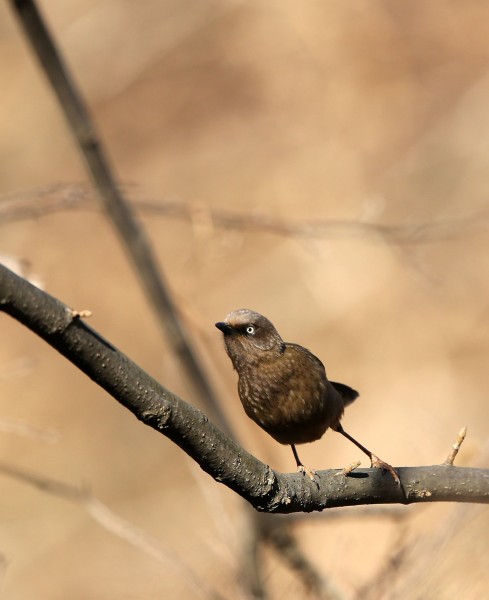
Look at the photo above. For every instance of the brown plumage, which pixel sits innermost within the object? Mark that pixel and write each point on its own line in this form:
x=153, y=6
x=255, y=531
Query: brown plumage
x=283, y=387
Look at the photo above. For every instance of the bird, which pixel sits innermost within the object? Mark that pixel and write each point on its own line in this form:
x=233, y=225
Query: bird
x=283, y=387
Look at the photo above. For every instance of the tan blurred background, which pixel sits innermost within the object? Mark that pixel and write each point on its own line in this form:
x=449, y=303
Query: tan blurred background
x=363, y=111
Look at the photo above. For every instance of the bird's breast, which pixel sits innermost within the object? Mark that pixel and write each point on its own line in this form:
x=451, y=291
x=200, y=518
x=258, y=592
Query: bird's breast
x=289, y=397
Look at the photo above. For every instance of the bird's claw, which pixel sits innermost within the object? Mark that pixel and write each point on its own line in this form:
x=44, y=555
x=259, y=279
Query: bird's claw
x=309, y=472
x=377, y=463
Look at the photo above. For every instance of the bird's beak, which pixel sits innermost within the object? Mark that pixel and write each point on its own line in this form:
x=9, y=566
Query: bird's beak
x=225, y=328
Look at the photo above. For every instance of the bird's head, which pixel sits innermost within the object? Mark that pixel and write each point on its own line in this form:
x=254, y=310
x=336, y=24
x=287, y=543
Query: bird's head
x=249, y=337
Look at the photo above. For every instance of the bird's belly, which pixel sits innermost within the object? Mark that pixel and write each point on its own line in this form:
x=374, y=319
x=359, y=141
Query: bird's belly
x=296, y=422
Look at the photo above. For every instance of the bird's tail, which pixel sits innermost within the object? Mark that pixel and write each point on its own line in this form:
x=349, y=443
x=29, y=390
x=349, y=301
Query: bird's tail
x=347, y=393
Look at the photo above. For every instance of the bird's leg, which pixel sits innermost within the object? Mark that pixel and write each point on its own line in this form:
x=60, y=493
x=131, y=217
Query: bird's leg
x=376, y=462
x=302, y=469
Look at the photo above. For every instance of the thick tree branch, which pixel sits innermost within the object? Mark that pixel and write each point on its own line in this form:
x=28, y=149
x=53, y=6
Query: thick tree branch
x=215, y=452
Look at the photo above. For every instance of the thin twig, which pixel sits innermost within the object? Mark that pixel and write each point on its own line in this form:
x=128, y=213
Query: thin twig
x=400, y=234
x=40, y=434
x=294, y=557
x=16, y=368
x=3, y=568
x=456, y=446
x=60, y=197
x=219, y=513
x=390, y=568
x=429, y=551
x=105, y=517
x=251, y=562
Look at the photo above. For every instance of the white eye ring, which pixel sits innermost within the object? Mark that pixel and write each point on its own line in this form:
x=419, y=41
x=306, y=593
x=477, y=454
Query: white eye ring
x=250, y=330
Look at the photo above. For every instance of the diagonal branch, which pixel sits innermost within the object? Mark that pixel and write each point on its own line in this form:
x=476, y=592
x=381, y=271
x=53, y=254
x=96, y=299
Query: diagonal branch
x=215, y=452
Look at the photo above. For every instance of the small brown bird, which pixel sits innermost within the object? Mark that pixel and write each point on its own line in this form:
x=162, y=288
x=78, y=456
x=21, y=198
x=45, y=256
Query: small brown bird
x=283, y=387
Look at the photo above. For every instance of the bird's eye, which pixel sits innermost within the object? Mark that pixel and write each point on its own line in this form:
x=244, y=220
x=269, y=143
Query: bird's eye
x=250, y=330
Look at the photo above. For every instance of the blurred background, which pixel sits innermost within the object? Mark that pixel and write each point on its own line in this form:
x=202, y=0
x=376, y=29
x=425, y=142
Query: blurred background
x=360, y=114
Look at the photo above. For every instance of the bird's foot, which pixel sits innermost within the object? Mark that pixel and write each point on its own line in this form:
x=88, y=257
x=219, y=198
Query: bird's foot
x=377, y=463
x=309, y=472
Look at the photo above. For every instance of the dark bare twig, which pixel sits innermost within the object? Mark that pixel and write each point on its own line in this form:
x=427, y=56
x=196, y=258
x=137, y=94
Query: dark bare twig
x=216, y=453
